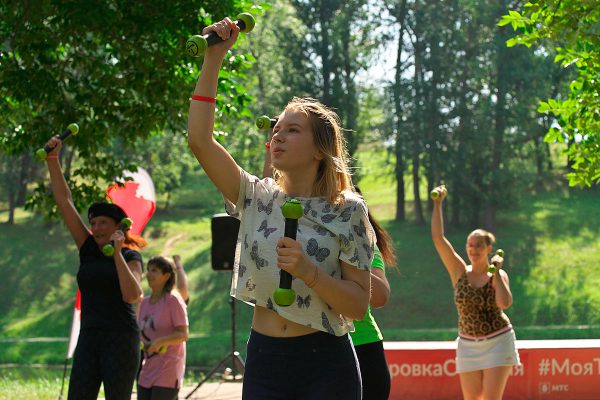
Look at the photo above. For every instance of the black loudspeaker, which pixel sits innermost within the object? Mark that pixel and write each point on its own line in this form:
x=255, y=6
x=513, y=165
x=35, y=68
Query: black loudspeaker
x=224, y=229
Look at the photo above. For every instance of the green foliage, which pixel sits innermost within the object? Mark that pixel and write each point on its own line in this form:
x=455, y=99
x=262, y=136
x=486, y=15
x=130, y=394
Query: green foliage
x=338, y=43
x=31, y=383
x=464, y=106
x=118, y=69
x=573, y=29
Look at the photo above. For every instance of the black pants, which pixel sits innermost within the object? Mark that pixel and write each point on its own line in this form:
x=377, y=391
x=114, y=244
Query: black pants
x=374, y=371
x=157, y=393
x=310, y=367
x=105, y=357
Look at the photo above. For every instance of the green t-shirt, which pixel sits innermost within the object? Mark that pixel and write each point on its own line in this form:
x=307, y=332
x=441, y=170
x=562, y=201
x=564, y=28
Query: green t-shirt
x=366, y=330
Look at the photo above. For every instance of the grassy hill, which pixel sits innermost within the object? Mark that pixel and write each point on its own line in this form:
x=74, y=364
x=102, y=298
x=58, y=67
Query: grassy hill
x=551, y=241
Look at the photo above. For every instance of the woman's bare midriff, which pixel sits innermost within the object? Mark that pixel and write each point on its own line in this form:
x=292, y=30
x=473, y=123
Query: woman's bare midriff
x=269, y=323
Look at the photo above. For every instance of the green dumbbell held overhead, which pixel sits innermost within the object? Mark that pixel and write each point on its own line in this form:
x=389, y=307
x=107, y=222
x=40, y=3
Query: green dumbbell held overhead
x=492, y=268
x=292, y=210
x=72, y=129
x=109, y=249
x=437, y=192
x=197, y=44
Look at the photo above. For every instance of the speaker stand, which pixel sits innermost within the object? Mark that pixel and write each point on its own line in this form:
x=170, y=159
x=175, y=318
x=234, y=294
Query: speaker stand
x=237, y=364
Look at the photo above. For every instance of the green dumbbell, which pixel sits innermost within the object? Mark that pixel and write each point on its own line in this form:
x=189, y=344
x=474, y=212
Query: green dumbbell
x=197, y=44
x=72, y=129
x=493, y=268
x=292, y=210
x=109, y=249
x=162, y=350
x=264, y=122
x=437, y=192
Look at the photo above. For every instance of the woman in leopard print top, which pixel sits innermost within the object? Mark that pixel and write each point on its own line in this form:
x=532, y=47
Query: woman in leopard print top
x=486, y=344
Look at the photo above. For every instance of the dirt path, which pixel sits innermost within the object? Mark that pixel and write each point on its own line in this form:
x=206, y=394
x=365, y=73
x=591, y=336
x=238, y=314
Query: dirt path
x=170, y=243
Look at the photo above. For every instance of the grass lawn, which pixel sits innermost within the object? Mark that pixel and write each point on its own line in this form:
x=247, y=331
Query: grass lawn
x=551, y=242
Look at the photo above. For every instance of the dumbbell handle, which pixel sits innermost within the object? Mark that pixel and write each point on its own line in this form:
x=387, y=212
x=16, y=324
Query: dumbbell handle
x=291, y=228
x=212, y=38
x=61, y=137
x=72, y=129
x=292, y=211
x=197, y=44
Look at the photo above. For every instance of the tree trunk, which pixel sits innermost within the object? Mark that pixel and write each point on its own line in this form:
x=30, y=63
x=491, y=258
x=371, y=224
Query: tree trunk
x=11, y=205
x=24, y=179
x=167, y=202
x=324, y=50
x=494, y=189
x=419, y=218
x=458, y=188
x=351, y=100
x=418, y=114
x=398, y=147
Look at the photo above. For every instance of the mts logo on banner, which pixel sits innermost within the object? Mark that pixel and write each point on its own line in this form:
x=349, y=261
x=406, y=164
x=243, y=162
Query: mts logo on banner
x=546, y=388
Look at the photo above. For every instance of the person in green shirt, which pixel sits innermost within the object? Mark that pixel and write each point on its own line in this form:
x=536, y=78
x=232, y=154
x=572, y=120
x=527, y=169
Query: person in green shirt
x=367, y=338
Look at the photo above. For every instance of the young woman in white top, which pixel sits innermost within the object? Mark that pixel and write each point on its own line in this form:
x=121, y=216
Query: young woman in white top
x=300, y=351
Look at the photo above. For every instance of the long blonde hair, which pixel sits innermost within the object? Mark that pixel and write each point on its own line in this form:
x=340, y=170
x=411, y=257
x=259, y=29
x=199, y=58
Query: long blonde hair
x=333, y=175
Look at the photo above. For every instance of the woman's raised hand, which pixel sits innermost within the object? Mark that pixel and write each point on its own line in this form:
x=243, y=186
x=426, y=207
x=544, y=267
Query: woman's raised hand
x=227, y=30
x=118, y=238
x=55, y=144
x=439, y=193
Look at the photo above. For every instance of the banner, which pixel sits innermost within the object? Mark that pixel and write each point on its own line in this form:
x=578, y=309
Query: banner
x=550, y=370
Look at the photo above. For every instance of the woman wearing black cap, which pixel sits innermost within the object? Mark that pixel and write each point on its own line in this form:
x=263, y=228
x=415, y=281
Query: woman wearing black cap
x=108, y=348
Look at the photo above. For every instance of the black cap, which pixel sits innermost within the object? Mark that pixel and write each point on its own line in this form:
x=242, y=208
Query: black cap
x=106, y=210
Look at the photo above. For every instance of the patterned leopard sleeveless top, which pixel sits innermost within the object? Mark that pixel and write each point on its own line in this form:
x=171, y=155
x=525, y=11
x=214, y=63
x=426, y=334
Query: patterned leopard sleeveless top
x=478, y=314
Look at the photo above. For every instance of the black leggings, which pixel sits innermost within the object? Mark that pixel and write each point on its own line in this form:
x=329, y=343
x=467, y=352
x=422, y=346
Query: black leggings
x=157, y=393
x=310, y=367
x=374, y=371
x=105, y=357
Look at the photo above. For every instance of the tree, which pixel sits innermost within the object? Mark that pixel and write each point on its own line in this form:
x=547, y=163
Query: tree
x=118, y=69
x=572, y=27
x=338, y=43
x=398, y=11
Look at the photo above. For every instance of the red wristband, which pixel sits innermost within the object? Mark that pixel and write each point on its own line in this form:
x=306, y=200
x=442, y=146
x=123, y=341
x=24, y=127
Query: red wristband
x=203, y=98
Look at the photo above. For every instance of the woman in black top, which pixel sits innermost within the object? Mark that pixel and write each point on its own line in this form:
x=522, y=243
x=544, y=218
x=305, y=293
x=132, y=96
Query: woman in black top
x=108, y=347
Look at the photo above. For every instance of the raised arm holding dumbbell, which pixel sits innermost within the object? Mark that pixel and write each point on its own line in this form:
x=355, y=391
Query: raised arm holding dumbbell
x=329, y=258
x=480, y=297
x=109, y=288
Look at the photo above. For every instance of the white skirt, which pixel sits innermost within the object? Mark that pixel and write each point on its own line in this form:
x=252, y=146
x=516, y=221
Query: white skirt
x=488, y=353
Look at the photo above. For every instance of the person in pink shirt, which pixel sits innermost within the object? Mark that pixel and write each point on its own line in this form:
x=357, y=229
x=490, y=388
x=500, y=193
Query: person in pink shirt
x=164, y=329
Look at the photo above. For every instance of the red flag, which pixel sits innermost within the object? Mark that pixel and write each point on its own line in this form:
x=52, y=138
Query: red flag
x=75, y=325
x=137, y=198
